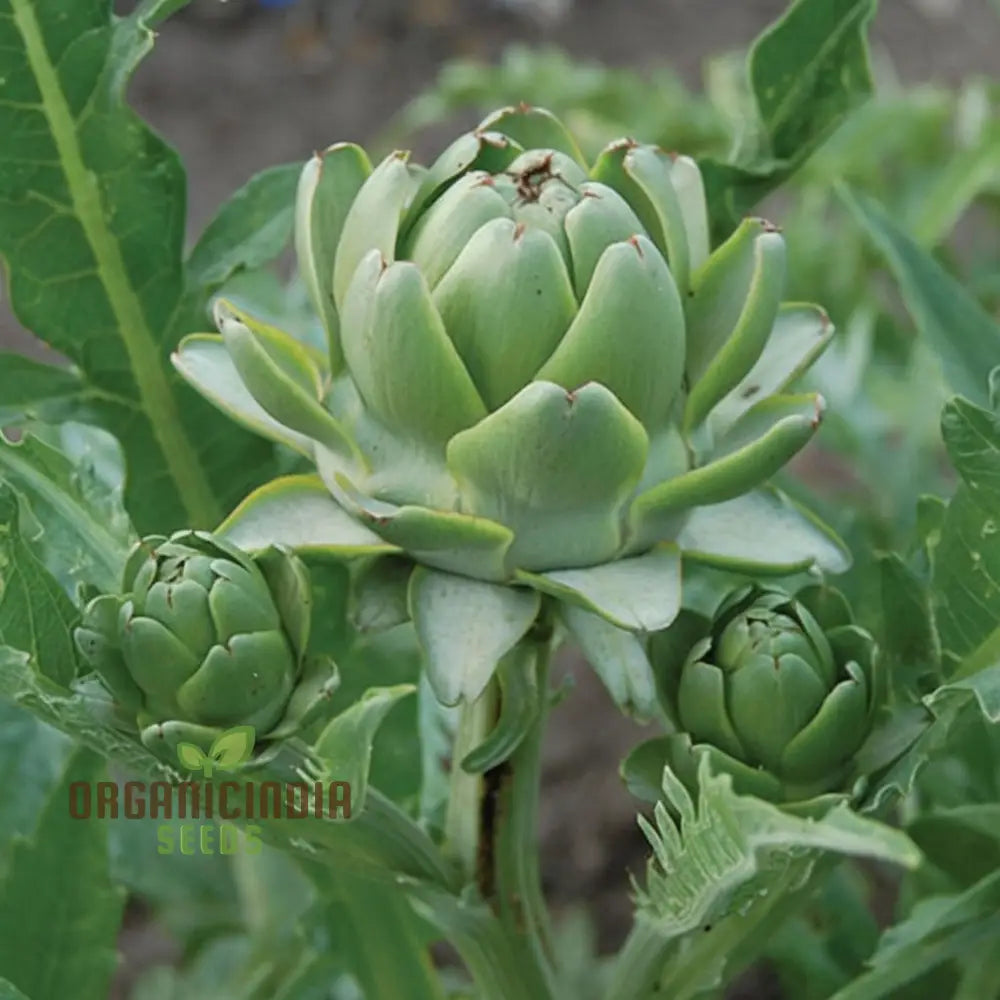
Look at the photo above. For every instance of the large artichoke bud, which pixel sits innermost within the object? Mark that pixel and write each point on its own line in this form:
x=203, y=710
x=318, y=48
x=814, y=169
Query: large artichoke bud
x=203, y=638
x=780, y=691
x=538, y=380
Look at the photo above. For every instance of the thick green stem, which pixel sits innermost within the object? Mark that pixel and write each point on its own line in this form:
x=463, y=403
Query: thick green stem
x=517, y=872
x=640, y=962
x=463, y=820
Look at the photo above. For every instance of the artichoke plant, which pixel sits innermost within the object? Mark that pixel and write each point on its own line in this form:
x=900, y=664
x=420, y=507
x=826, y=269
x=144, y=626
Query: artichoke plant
x=203, y=638
x=538, y=379
x=779, y=691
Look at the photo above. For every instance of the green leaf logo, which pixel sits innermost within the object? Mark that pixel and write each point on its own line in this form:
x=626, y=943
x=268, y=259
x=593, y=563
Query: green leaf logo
x=229, y=750
x=233, y=747
x=191, y=756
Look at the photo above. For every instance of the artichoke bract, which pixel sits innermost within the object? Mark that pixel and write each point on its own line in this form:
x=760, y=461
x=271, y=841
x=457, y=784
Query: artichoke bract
x=539, y=378
x=780, y=692
x=203, y=638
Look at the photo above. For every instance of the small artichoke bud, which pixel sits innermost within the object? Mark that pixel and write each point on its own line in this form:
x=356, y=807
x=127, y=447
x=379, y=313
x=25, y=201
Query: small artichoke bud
x=779, y=692
x=202, y=635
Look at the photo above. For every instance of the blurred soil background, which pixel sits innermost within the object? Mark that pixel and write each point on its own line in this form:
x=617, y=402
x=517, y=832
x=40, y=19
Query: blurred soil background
x=240, y=86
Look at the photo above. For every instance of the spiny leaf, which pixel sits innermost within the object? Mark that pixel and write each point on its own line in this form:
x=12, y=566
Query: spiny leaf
x=715, y=857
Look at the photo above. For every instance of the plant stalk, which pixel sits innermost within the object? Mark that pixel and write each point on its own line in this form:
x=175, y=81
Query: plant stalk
x=463, y=819
x=521, y=904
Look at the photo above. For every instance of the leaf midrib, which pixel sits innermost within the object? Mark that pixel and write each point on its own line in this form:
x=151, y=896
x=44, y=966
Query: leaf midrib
x=155, y=393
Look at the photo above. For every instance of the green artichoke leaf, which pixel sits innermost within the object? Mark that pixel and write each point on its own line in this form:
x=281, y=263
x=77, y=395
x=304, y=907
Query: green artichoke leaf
x=557, y=468
x=771, y=699
x=854, y=644
x=406, y=368
x=476, y=152
x=465, y=627
x=328, y=185
x=344, y=748
x=506, y=303
x=442, y=232
x=619, y=659
x=628, y=334
x=379, y=593
x=800, y=334
x=702, y=703
x=288, y=582
x=731, y=312
x=690, y=187
x=374, y=219
x=282, y=378
x=249, y=680
x=533, y=128
x=455, y=543
x=204, y=363
x=834, y=734
x=639, y=594
x=804, y=410
x=761, y=533
x=96, y=638
x=300, y=363
x=643, y=769
x=298, y=512
x=599, y=219
x=159, y=662
x=727, y=478
x=670, y=650
x=827, y=605
x=643, y=176
x=310, y=699
x=183, y=608
x=520, y=704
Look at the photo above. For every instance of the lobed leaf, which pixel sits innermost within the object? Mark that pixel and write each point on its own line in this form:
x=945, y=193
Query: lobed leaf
x=92, y=207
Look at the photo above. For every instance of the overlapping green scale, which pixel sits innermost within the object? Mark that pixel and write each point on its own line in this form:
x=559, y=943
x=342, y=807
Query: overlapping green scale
x=537, y=368
x=780, y=692
x=204, y=637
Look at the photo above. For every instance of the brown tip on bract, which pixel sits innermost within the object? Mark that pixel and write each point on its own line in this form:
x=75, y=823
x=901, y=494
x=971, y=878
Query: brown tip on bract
x=824, y=319
x=769, y=227
x=634, y=240
x=524, y=107
x=518, y=231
